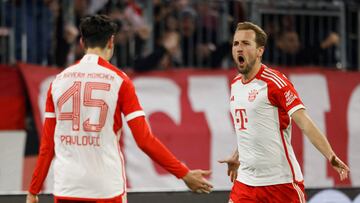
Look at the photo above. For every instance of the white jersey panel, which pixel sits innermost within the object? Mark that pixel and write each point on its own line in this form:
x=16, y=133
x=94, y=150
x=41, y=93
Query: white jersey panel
x=262, y=157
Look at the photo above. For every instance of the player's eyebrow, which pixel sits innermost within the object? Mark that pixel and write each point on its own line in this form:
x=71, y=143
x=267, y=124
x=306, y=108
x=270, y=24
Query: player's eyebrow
x=245, y=41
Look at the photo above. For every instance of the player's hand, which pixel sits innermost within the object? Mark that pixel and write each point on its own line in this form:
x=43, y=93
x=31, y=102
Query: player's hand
x=196, y=181
x=30, y=198
x=233, y=164
x=340, y=167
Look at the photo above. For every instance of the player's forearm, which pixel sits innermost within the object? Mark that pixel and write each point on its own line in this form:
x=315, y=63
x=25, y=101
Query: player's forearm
x=319, y=141
x=45, y=157
x=316, y=137
x=155, y=149
x=161, y=155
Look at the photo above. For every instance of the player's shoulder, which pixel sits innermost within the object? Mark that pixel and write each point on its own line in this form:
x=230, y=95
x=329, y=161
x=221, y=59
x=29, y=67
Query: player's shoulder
x=114, y=69
x=274, y=78
x=236, y=79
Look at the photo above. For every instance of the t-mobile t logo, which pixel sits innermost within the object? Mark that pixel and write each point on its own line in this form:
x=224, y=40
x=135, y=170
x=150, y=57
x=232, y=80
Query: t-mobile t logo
x=241, y=118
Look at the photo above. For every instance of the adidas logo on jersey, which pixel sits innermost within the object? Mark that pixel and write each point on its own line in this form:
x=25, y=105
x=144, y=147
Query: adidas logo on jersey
x=290, y=97
x=252, y=95
x=232, y=98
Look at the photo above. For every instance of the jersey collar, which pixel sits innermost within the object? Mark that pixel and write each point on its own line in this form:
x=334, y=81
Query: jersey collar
x=93, y=58
x=262, y=67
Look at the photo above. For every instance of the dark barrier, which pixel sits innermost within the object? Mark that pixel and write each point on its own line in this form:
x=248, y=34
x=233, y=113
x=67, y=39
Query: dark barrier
x=325, y=195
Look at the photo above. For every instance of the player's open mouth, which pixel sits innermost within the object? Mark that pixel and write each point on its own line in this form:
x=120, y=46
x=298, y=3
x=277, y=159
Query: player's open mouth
x=241, y=60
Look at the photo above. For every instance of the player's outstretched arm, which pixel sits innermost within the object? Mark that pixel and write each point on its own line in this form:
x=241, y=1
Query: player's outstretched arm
x=319, y=140
x=195, y=180
x=30, y=198
x=233, y=164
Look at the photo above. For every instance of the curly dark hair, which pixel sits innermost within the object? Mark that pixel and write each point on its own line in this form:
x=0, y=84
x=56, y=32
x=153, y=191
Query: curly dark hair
x=96, y=30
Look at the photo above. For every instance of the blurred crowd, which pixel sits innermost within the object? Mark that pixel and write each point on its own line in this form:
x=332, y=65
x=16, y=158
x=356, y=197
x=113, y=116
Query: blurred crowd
x=156, y=34
x=173, y=33
x=294, y=45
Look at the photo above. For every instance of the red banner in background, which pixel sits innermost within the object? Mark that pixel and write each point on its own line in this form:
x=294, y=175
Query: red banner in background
x=189, y=112
x=12, y=99
x=37, y=79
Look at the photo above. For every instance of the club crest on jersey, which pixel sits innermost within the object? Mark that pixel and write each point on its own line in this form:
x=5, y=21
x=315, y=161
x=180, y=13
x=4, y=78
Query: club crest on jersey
x=252, y=95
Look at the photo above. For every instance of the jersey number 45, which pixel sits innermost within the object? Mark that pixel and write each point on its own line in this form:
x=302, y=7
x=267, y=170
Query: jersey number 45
x=74, y=92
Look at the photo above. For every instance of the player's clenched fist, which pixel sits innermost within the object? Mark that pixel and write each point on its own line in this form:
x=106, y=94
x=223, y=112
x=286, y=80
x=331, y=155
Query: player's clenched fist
x=196, y=181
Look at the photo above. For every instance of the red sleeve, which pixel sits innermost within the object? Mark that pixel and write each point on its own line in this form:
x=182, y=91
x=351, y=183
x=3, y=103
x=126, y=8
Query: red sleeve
x=154, y=148
x=46, y=153
x=129, y=103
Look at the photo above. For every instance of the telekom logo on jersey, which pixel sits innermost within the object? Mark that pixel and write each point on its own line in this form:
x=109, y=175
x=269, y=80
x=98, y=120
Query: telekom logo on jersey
x=241, y=118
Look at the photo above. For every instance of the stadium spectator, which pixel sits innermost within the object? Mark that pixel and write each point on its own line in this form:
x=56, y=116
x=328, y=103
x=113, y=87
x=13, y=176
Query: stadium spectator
x=263, y=103
x=31, y=23
x=288, y=49
x=292, y=52
x=4, y=38
x=134, y=31
x=164, y=57
x=83, y=126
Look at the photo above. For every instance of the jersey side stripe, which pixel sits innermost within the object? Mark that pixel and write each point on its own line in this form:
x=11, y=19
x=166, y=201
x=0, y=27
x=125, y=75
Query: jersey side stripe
x=274, y=74
x=134, y=114
x=277, y=84
x=269, y=75
x=123, y=169
x=287, y=154
x=300, y=193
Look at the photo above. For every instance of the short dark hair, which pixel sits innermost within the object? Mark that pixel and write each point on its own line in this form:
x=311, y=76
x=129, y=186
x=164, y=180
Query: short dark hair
x=96, y=30
x=260, y=35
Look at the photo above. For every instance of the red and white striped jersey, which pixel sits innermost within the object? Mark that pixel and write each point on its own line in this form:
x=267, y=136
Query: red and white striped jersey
x=82, y=130
x=261, y=110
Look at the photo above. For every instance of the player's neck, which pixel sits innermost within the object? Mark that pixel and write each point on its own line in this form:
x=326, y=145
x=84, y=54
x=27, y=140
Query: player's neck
x=252, y=73
x=98, y=51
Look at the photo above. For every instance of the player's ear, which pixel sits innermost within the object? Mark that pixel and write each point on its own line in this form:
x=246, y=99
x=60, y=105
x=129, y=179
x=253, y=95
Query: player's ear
x=82, y=44
x=260, y=51
x=111, y=42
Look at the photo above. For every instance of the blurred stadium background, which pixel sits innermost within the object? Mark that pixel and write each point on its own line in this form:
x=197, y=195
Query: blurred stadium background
x=178, y=53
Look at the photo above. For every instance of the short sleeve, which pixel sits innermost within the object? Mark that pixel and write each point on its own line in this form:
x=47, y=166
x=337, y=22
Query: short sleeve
x=128, y=101
x=285, y=96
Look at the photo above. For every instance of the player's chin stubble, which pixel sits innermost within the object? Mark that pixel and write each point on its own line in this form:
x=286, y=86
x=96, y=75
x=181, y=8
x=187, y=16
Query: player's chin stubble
x=247, y=68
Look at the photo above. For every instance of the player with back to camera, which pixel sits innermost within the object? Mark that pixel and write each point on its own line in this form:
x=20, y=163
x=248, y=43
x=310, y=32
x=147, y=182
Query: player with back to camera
x=83, y=125
x=263, y=103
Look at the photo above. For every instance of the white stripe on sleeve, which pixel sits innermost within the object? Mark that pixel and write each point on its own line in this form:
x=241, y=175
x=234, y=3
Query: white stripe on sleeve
x=270, y=78
x=276, y=76
x=49, y=115
x=133, y=115
x=295, y=108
